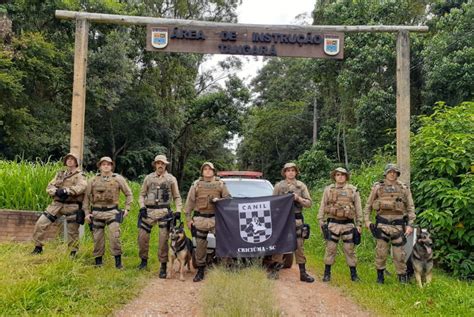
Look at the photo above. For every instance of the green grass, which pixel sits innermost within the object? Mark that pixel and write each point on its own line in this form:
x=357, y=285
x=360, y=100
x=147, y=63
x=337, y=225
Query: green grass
x=446, y=296
x=238, y=293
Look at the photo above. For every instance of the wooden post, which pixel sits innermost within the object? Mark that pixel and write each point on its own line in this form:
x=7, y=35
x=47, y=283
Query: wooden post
x=403, y=105
x=79, y=88
x=315, y=120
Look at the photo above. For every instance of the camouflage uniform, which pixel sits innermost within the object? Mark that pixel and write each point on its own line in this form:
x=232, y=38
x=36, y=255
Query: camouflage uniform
x=296, y=187
x=341, y=208
x=393, y=203
x=69, y=204
x=200, y=200
x=102, y=199
x=155, y=201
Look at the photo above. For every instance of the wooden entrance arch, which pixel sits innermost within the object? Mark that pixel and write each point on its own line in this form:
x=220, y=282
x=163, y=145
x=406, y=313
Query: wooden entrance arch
x=83, y=19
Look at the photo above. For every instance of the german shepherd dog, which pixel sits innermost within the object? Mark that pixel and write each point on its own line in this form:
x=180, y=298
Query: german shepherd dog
x=422, y=257
x=180, y=251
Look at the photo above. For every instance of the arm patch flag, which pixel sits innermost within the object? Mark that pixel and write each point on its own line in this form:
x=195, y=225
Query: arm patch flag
x=257, y=226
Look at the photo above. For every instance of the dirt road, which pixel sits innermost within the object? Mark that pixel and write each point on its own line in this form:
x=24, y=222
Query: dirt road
x=163, y=297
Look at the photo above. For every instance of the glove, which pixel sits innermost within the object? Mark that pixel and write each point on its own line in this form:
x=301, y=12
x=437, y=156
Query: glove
x=61, y=193
x=143, y=212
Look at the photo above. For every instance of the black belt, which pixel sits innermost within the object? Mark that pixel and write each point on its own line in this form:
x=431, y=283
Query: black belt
x=158, y=206
x=299, y=215
x=341, y=222
x=200, y=214
x=396, y=222
x=69, y=202
x=104, y=208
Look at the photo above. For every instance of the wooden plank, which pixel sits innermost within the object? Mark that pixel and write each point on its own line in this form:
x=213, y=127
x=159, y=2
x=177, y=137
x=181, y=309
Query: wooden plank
x=238, y=40
x=139, y=20
x=403, y=105
x=79, y=88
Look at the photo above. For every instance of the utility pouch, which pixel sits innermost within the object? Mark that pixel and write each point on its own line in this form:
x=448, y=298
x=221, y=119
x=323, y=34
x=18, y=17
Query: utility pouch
x=119, y=216
x=80, y=217
x=305, y=231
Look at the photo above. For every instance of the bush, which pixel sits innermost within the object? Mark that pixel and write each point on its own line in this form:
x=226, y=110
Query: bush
x=443, y=184
x=314, y=166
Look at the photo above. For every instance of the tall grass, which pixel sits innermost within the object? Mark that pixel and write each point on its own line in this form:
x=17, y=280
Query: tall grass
x=247, y=292
x=23, y=184
x=446, y=296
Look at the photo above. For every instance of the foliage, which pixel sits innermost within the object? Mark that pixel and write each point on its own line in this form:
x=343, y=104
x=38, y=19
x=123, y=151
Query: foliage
x=443, y=185
x=314, y=166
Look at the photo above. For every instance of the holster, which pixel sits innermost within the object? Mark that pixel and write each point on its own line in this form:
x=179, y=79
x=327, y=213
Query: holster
x=80, y=217
x=119, y=216
x=305, y=231
x=356, y=237
x=326, y=232
x=193, y=231
x=374, y=230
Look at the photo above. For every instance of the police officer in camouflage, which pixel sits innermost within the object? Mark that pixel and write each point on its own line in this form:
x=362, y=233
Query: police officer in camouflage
x=159, y=189
x=341, y=209
x=101, y=206
x=393, y=203
x=302, y=199
x=202, y=195
x=67, y=190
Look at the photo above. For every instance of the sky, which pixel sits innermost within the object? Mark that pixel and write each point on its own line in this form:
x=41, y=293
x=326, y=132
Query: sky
x=264, y=12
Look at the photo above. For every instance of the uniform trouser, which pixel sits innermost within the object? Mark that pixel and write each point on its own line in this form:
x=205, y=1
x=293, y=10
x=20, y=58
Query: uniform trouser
x=299, y=252
x=102, y=219
x=340, y=232
x=153, y=216
x=58, y=209
x=395, y=235
x=204, y=226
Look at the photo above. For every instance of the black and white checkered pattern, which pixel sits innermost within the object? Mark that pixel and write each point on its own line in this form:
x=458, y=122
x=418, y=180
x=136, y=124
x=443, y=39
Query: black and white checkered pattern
x=264, y=218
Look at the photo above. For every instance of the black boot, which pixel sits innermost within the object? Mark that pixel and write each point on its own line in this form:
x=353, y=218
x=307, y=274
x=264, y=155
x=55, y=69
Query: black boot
x=402, y=278
x=327, y=273
x=163, y=270
x=380, y=278
x=98, y=261
x=199, y=275
x=73, y=254
x=305, y=277
x=37, y=250
x=354, y=276
x=143, y=264
x=118, y=262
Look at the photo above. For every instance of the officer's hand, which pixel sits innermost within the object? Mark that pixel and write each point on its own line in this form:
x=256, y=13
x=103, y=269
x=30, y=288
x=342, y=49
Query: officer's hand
x=125, y=213
x=359, y=229
x=88, y=218
x=408, y=230
x=367, y=225
x=190, y=224
x=297, y=197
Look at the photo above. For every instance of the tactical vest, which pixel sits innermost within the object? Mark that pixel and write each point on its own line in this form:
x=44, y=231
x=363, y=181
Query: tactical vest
x=159, y=191
x=105, y=191
x=341, y=202
x=65, y=181
x=391, y=200
x=205, y=192
x=297, y=188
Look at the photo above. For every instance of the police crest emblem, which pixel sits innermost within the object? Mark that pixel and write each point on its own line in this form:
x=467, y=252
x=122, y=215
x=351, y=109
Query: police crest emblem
x=255, y=221
x=331, y=44
x=159, y=37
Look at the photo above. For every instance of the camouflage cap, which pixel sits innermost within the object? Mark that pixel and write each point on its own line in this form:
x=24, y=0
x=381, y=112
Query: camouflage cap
x=74, y=156
x=287, y=166
x=105, y=159
x=340, y=170
x=208, y=164
x=391, y=167
x=160, y=158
